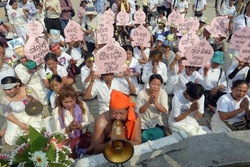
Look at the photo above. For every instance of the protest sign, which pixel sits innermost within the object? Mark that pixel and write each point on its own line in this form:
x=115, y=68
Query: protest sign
x=139, y=17
x=110, y=59
x=188, y=40
x=109, y=16
x=174, y=17
x=188, y=24
x=122, y=18
x=73, y=32
x=199, y=55
x=218, y=26
x=34, y=28
x=221, y=23
x=245, y=52
x=104, y=31
x=140, y=36
x=36, y=48
x=239, y=38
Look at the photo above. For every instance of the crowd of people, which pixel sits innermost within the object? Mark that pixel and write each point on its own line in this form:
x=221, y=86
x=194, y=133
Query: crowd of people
x=154, y=96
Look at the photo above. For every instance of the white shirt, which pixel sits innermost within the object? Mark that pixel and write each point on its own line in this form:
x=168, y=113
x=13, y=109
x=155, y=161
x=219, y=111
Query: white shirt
x=181, y=6
x=239, y=22
x=152, y=116
x=134, y=67
x=227, y=104
x=64, y=59
x=69, y=118
x=184, y=79
x=148, y=71
x=201, y=4
x=102, y=92
x=85, y=71
x=137, y=54
x=180, y=105
x=61, y=71
x=152, y=3
x=212, y=80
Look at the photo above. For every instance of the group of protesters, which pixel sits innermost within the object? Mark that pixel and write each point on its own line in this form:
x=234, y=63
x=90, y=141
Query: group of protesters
x=156, y=94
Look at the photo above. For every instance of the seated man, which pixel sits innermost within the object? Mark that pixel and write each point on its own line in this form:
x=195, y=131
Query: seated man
x=121, y=108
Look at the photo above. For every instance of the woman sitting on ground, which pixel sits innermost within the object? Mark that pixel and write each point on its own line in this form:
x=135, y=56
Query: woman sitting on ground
x=13, y=105
x=71, y=115
x=153, y=104
x=232, y=109
x=187, y=108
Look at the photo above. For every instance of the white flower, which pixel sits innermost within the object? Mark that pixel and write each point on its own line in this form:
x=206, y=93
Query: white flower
x=39, y=159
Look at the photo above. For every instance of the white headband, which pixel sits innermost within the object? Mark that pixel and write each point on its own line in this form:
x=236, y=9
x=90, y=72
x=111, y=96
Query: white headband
x=9, y=85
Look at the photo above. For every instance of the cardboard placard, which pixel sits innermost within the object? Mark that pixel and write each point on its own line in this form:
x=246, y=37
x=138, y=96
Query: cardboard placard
x=245, y=52
x=199, y=55
x=140, y=36
x=239, y=38
x=104, y=31
x=174, y=17
x=139, y=17
x=122, y=18
x=73, y=32
x=109, y=16
x=36, y=48
x=188, y=40
x=188, y=24
x=110, y=59
x=221, y=23
x=34, y=28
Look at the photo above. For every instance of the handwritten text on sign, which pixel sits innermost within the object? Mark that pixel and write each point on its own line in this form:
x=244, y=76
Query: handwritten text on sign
x=104, y=31
x=245, y=52
x=73, y=32
x=34, y=28
x=188, y=40
x=140, y=17
x=174, y=17
x=239, y=38
x=110, y=59
x=140, y=36
x=36, y=49
x=199, y=54
x=109, y=16
x=122, y=18
x=188, y=24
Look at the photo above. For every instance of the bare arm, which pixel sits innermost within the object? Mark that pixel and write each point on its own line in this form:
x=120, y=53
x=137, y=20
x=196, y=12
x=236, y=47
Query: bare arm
x=243, y=107
x=137, y=134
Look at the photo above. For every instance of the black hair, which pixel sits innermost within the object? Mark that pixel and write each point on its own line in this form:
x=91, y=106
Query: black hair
x=160, y=12
x=156, y=76
x=1, y=45
x=87, y=55
x=9, y=79
x=102, y=75
x=128, y=47
x=194, y=90
x=238, y=82
x=56, y=78
x=155, y=52
x=13, y=1
x=246, y=7
x=50, y=56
